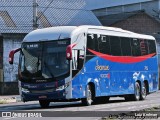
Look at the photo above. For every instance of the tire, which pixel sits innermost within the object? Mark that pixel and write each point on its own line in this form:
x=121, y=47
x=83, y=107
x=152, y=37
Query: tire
x=89, y=96
x=137, y=94
x=143, y=92
x=44, y=103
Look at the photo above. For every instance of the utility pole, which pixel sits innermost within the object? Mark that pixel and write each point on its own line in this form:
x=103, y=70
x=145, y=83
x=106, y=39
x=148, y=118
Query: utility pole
x=35, y=16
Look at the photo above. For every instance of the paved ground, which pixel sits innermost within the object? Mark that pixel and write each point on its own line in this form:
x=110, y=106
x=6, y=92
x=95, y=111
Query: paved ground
x=115, y=105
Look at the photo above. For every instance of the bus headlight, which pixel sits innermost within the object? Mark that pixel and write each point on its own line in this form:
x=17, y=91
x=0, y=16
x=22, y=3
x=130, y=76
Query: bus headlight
x=62, y=87
x=25, y=90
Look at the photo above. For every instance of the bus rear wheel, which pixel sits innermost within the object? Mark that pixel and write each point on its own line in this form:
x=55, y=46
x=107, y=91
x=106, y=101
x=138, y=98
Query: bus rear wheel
x=137, y=94
x=44, y=103
x=143, y=92
x=89, y=96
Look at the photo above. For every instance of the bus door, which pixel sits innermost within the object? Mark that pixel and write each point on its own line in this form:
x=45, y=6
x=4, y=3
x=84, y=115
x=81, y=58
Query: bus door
x=78, y=81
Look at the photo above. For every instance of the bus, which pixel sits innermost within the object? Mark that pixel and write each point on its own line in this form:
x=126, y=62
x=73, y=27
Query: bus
x=87, y=63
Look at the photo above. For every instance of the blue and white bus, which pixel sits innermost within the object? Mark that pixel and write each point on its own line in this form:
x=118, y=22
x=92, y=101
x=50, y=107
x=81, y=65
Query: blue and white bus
x=87, y=63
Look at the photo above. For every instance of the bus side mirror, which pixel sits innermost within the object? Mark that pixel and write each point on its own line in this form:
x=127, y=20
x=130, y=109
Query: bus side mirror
x=69, y=51
x=11, y=55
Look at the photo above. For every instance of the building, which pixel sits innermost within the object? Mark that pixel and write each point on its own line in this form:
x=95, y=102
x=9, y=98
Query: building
x=16, y=20
x=127, y=10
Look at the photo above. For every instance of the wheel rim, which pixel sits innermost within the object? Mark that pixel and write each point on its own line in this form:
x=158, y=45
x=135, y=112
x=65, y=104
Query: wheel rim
x=144, y=92
x=89, y=95
x=137, y=91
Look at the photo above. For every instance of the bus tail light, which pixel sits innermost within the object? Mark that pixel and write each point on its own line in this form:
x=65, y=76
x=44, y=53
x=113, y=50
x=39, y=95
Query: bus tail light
x=11, y=55
x=69, y=51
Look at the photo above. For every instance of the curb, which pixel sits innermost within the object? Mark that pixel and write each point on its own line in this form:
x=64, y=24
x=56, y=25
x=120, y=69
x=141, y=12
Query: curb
x=9, y=100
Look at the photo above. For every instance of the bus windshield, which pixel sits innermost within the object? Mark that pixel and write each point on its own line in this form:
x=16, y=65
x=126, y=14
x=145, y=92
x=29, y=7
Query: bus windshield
x=44, y=60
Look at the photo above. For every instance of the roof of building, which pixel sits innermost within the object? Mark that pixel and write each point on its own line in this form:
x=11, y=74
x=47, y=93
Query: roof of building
x=98, y=4
x=16, y=16
x=108, y=20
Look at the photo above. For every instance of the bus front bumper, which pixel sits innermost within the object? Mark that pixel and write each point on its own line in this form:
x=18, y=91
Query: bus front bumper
x=57, y=95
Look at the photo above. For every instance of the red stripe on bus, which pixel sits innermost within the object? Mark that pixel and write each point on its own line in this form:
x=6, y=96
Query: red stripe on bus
x=122, y=59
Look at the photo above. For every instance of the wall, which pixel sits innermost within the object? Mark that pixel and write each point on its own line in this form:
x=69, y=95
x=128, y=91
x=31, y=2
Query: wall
x=140, y=23
x=10, y=71
x=9, y=85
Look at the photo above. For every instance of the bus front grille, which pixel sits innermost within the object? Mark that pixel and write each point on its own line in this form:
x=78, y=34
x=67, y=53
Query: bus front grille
x=42, y=91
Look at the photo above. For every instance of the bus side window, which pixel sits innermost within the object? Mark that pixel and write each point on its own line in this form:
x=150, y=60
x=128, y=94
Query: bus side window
x=95, y=39
x=104, y=44
x=92, y=43
x=152, y=46
x=115, y=46
x=135, y=47
x=126, y=46
x=89, y=43
x=144, y=47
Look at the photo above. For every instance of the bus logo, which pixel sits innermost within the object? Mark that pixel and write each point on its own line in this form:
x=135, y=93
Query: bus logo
x=101, y=67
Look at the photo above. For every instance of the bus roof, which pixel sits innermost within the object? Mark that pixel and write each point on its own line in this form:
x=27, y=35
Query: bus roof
x=113, y=31
x=62, y=32
x=51, y=33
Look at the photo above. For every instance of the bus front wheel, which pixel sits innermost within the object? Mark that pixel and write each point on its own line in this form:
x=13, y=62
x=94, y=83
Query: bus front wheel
x=44, y=103
x=89, y=96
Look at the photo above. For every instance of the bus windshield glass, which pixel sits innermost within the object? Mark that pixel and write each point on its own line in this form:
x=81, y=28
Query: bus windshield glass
x=44, y=60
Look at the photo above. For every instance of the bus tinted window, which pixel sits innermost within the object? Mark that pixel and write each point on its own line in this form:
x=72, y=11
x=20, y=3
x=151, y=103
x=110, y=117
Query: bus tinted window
x=152, y=46
x=126, y=46
x=104, y=44
x=92, y=42
x=115, y=46
x=144, y=47
x=135, y=47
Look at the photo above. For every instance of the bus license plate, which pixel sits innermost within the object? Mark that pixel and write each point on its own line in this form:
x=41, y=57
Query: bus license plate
x=42, y=97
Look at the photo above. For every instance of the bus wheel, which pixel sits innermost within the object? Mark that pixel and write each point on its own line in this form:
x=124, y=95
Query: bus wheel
x=88, y=100
x=143, y=92
x=136, y=95
x=44, y=103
